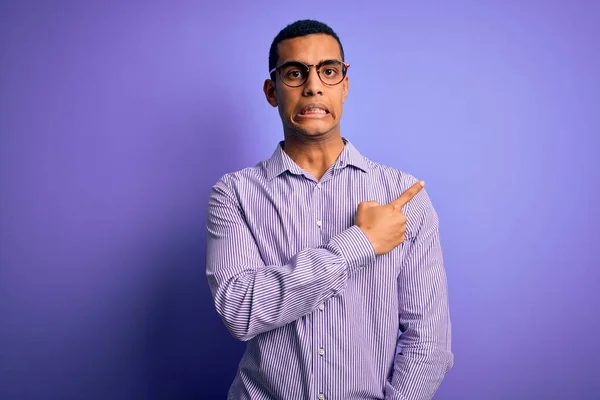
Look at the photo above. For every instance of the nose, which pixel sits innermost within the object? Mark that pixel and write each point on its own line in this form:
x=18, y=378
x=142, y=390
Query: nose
x=313, y=84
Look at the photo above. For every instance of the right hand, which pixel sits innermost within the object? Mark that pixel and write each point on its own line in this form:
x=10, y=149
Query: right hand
x=385, y=225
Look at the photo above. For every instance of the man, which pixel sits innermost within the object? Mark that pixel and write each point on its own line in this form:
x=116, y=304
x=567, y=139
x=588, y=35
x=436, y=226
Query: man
x=320, y=257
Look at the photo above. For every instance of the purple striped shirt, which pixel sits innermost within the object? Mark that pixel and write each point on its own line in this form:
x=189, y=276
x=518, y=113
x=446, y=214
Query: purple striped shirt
x=323, y=317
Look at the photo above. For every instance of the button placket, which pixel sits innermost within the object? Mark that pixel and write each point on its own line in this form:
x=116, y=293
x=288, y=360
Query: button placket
x=319, y=202
x=320, y=343
x=319, y=327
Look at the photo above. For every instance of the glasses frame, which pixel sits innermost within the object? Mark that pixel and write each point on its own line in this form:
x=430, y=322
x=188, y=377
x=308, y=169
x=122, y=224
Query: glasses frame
x=318, y=66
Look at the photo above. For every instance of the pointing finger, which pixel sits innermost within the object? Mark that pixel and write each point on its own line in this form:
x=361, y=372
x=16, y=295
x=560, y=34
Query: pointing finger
x=407, y=195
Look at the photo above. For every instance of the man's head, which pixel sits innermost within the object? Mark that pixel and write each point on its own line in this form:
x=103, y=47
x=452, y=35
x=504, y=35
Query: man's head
x=309, y=101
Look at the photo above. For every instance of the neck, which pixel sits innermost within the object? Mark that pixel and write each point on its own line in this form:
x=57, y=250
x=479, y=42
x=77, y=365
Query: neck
x=314, y=155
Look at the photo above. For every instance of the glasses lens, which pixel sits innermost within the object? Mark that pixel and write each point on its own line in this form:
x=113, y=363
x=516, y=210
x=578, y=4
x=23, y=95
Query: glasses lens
x=332, y=72
x=293, y=74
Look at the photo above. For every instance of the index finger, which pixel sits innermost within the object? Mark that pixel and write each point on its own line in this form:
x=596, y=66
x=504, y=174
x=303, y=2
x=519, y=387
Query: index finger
x=408, y=194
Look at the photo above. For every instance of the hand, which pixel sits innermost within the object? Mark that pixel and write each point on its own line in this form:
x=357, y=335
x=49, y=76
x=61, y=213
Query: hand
x=385, y=225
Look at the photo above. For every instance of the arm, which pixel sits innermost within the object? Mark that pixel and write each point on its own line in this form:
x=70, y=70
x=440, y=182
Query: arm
x=252, y=297
x=425, y=339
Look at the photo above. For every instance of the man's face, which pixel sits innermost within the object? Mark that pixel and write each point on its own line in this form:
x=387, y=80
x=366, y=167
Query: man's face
x=294, y=102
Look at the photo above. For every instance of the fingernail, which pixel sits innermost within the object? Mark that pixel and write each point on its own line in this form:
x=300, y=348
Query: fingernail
x=422, y=183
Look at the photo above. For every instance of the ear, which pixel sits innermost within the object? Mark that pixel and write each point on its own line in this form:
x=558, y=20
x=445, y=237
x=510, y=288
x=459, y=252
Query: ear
x=270, y=92
x=345, y=87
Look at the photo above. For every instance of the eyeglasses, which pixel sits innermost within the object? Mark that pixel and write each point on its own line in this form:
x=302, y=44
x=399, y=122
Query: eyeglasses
x=295, y=73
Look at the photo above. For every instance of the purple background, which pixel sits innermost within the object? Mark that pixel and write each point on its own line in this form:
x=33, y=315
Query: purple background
x=116, y=119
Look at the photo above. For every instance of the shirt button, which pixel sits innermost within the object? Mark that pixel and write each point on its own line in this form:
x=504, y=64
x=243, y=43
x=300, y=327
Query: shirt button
x=321, y=396
x=319, y=223
x=321, y=307
x=321, y=351
x=318, y=186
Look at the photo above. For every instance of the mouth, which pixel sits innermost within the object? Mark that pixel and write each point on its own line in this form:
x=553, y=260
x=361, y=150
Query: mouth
x=313, y=111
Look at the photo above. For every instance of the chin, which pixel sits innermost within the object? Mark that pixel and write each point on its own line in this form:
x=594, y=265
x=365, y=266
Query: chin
x=313, y=128
x=313, y=132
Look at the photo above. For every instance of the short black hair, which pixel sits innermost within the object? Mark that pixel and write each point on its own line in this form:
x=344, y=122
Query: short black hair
x=299, y=28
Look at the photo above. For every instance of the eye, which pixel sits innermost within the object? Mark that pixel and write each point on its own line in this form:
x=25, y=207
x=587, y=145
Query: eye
x=330, y=72
x=294, y=74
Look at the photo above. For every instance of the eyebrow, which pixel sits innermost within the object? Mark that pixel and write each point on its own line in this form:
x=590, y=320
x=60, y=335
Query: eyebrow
x=303, y=62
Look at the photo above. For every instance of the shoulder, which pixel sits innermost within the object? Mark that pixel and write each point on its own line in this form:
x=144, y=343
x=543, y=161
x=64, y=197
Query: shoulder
x=400, y=179
x=395, y=180
x=232, y=183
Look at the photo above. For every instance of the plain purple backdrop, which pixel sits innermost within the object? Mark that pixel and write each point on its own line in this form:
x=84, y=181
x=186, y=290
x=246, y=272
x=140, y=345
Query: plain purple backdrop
x=116, y=119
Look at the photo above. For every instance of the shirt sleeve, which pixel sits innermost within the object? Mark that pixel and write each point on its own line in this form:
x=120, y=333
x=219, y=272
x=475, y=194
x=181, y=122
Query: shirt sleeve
x=425, y=330
x=252, y=297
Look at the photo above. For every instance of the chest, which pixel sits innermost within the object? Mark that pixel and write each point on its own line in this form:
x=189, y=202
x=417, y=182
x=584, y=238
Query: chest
x=301, y=214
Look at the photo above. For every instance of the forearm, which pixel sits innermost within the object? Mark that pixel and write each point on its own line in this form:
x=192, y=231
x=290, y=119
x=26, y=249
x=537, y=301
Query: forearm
x=425, y=341
x=253, y=298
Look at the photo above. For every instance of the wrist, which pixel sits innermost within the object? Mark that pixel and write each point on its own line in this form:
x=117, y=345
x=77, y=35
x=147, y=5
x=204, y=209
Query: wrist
x=355, y=247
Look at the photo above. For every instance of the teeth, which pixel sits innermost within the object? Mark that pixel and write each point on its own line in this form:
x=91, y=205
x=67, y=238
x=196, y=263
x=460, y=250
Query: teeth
x=314, y=111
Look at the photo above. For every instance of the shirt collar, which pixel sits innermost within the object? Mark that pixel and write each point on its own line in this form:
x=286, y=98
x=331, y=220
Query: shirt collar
x=280, y=162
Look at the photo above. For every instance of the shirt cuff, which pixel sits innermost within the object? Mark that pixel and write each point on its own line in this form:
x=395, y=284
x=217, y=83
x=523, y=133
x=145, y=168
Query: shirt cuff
x=354, y=246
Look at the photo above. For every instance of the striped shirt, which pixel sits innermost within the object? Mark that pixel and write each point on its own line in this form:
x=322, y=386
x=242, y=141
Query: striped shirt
x=323, y=316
